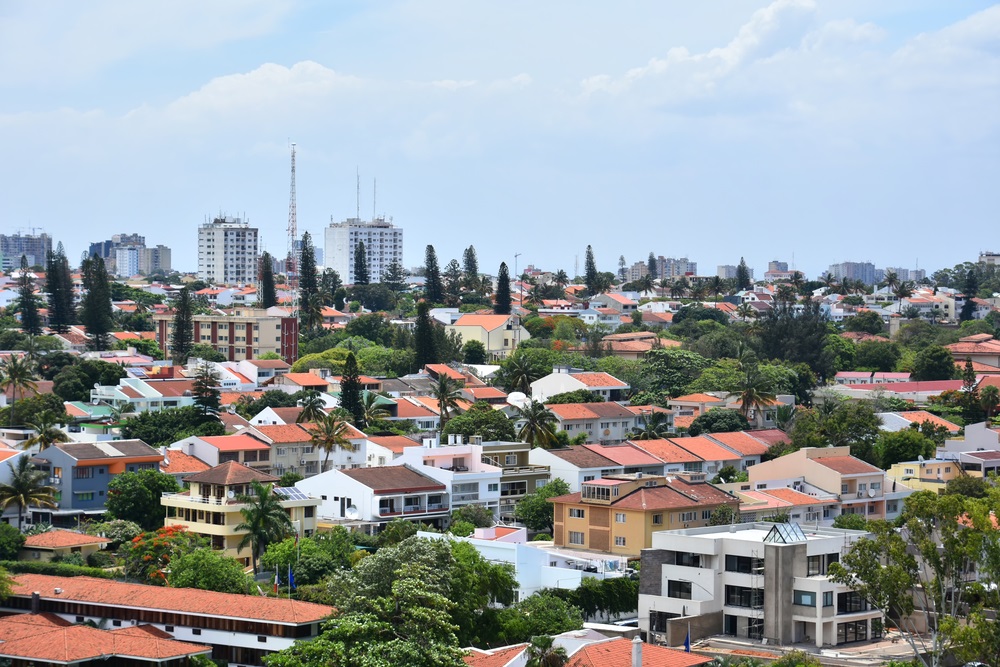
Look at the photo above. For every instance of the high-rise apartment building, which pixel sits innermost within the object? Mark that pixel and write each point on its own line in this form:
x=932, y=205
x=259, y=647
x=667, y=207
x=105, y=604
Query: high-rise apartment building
x=35, y=247
x=126, y=261
x=383, y=245
x=154, y=260
x=904, y=274
x=668, y=267
x=863, y=271
x=246, y=333
x=726, y=271
x=227, y=251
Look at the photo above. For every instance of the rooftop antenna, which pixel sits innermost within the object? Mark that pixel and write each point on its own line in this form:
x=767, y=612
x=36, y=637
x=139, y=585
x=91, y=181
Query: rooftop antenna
x=357, y=176
x=374, y=194
x=292, y=233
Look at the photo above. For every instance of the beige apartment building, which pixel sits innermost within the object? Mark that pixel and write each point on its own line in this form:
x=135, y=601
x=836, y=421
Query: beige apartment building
x=246, y=333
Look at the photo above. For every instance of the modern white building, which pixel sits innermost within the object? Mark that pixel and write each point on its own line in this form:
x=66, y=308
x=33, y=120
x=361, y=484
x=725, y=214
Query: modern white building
x=461, y=469
x=759, y=581
x=383, y=245
x=227, y=251
x=127, y=261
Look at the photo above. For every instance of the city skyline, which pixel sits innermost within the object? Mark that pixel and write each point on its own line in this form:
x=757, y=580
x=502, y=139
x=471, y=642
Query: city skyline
x=819, y=131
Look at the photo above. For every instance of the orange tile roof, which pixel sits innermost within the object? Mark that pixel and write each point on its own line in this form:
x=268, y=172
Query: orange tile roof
x=486, y=392
x=741, y=442
x=697, y=398
x=234, y=443
x=488, y=322
x=667, y=451
x=598, y=380
x=445, y=369
x=707, y=449
x=498, y=657
x=922, y=416
x=231, y=473
x=625, y=454
x=306, y=379
x=284, y=433
x=791, y=496
x=408, y=410
x=58, y=539
x=230, y=397
x=394, y=443
x=566, y=411
x=88, y=590
x=847, y=465
x=179, y=463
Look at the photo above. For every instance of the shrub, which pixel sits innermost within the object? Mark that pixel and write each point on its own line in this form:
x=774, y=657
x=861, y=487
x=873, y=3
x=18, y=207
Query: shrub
x=101, y=559
x=55, y=569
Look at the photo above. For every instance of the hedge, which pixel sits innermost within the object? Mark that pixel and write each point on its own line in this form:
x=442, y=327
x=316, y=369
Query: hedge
x=54, y=569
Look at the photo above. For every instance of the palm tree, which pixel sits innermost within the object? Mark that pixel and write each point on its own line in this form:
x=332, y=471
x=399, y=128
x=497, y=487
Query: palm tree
x=715, y=286
x=797, y=281
x=121, y=409
x=561, y=279
x=539, y=428
x=264, y=520
x=754, y=390
x=654, y=428
x=520, y=374
x=785, y=293
x=372, y=408
x=785, y=416
x=446, y=392
x=312, y=408
x=26, y=487
x=829, y=280
x=542, y=652
x=989, y=396
x=329, y=433
x=16, y=374
x=891, y=280
x=903, y=290
x=46, y=433
x=746, y=311
x=699, y=292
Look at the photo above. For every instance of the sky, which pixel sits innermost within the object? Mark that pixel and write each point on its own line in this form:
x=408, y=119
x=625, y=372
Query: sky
x=807, y=131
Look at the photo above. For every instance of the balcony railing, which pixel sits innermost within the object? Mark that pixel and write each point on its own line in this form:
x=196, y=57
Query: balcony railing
x=464, y=497
x=521, y=470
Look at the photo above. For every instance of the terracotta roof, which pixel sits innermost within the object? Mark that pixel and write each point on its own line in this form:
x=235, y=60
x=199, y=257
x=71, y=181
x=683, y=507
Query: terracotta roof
x=47, y=638
x=269, y=363
x=771, y=436
x=176, y=462
x=925, y=386
x=89, y=590
x=598, y=379
x=171, y=388
x=984, y=455
x=697, y=398
x=230, y=473
x=288, y=415
x=445, y=369
x=791, y=496
x=683, y=421
x=393, y=478
x=284, y=433
x=706, y=449
x=234, y=443
x=408, y=410
x=306, y=379
x=488, y=322
x=55, y=539
x=480, y=393
x=233, y=422
x=581, y=457
x=741, y=442
x=922, y=416
x=567, y=411
x=667, y=451
x=498, y=657
x=625, y=454
x=394, y=443
x=847, y=465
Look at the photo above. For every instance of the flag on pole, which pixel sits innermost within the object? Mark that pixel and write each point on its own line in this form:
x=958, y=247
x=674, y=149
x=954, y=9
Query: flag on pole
x=687, y=640
x=276, y=582
x=291, y=578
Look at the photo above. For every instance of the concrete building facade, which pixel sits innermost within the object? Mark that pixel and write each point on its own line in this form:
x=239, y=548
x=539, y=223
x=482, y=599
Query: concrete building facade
x=383, y=245
x=247, y=333
x=227, y=251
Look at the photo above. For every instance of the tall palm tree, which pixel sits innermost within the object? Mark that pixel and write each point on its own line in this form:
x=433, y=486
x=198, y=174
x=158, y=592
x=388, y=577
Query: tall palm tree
x=903, y=290
x=26, y=487
x=715, y=286
x=746, y=311
x=46, y=432
x=539, y=429
x=329, y=433
x=542, y=652
x=891, y=280
x=446, y=392
x=372, y=408
x=797, y=281
x=520, y=374
x=18, y=375
x=264, y=520
x=655, y=427
x=989, y=396
x=312, y=408
x=120, y=410
x=754, y=390
x=561, y=278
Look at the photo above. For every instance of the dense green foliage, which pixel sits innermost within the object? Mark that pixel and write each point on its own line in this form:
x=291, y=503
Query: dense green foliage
x=135, y=497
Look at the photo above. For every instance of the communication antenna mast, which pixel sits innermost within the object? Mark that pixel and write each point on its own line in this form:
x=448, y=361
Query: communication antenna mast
x=357, y=178
x=290, y=272
x=374, y=195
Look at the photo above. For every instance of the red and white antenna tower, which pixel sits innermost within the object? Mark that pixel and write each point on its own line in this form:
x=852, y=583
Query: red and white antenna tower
x=292, y=260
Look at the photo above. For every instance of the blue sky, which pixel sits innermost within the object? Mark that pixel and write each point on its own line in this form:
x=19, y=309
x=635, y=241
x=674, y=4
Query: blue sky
x=822, y=131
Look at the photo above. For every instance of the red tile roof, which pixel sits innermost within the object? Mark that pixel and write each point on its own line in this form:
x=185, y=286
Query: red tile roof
x=625, y=454
x=498, y=657
x=488, y=322
x=177, y=462
x=386, y=479
x=89, y=590
x=598, y=380
x=922, y=416
x=581, y=457
x=394, y=443
x=234, y=443
x=284, y=433
x=697, y=398
x=56, y=539
x=706, y=449
x=306, y=379
x=230, y=473
x=847, y=465
x=741, y=442
x=667, y=451
x=618, y=653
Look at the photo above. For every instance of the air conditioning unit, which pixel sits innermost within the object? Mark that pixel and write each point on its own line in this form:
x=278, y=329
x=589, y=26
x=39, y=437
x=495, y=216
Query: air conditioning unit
x=861, y=494
x=302, y=462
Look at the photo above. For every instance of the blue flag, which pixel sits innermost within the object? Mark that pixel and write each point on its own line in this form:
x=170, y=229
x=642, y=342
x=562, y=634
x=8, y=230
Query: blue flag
x=687, y=640
x=291, y=579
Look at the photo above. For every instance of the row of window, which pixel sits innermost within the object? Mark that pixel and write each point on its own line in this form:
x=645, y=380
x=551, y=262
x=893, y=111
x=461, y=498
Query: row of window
x=577, y=537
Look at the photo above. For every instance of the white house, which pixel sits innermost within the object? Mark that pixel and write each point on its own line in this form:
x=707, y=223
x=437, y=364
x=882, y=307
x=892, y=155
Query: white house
x=563, y=379
x=459, y=467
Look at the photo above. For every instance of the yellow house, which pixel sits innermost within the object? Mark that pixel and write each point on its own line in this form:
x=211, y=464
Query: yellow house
x=618, y=514
x=929, y=475
x=210, y=507
x=499, y=334
x=46, y=546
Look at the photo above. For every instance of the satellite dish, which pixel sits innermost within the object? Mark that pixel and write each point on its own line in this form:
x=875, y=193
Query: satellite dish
x=97, y=385
x=352, y=513
x=231, y=494
x=920, y=458
x=871, y=493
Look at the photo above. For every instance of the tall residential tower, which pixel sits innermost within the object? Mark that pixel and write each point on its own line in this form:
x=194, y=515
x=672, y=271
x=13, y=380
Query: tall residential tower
x=383, y=245
x=227, y=251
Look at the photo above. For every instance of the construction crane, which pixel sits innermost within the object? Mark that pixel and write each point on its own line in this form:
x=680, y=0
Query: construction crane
x=291, y=260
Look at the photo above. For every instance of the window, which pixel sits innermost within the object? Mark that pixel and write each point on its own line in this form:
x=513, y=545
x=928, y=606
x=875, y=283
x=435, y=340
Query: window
x=576, y=513
x=596, y=492
x=849, y=603
x=83, y=473
x=741, y=596
x=804, y=598
x=862, y=487
x=876, y=486
x=706, y=515
x=588, y=478
x=814, y=566
x=575, y=537
x=657, y=519
x=744, y=564
x=828, y=599
x=195, y=631
x=844, y=488
x=510, y=460
x=84, y=495
x=907, y=471
x=619, y=517
x=619, y=541
x=262, y=638
x=492, y=488
x=688, y=516
x=679, y=589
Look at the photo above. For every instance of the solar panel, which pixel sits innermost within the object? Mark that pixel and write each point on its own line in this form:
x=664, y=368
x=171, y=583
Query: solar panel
x=290, y=492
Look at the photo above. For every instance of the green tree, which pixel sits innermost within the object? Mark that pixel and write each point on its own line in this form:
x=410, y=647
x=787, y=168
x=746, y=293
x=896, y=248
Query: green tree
x=350, y=390
x=470, y=270
x=473, y=352
x=968, y=486
x=519, y=371
x=18, y=377
x=729, y=474
x=724, y=515
x=743, y=280
x=850, y=521
x=880, y=356
x=591, y=277
x=447, y=393
x=542, y=652
x=539, y=427
x=27, y=302
x=670, y=370
x=755, y=390
x=95, y=309
x=481, y=419
x=933, y=362
x=308, y=279
x=361, y=275
x=654, y=427
x=46, y=432
x=330, y=433
x=313, y=408
x=206, y=352
x=267, y=294
x=797, y=334
x=433, y=288
x=970, y=288
x=477, y=515
x=424, y=339
x=135, y=496
x=867, y=321
x=59, y=286
x=209, y=571
x=900, y=446
x=26, y=488
x=158, y=429
x=535, y=510
x=539, y=614
x=311, y=559
x=289, y=478
x=264, y=520
x=718, y=420
x=394, y=277
x=148, y=557
x=501, y=296
x=11, y=541
x=182, y=335
x=575, y=396
x=206, y=392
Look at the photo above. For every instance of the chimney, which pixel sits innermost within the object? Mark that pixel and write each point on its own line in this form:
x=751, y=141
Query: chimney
x=637, y=651
x=36, y=601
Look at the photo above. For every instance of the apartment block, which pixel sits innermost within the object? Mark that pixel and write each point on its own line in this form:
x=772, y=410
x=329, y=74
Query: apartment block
x=383, y=243
x=246, y=333
x=227, y=251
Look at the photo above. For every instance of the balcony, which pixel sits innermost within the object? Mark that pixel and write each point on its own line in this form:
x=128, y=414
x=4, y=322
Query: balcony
x=525, y=470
